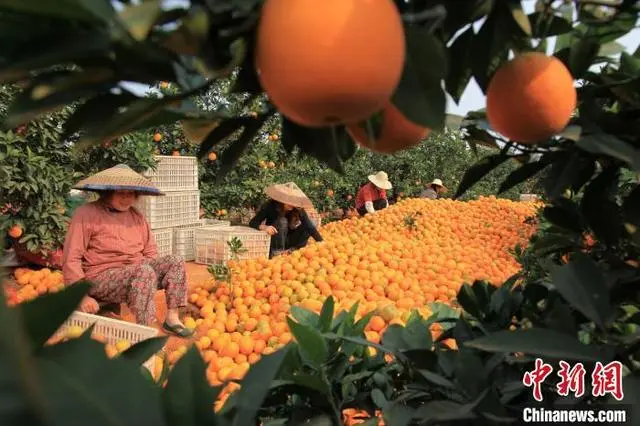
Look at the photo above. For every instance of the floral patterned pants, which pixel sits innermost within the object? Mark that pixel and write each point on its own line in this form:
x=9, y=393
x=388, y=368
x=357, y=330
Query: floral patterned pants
x=136, y=286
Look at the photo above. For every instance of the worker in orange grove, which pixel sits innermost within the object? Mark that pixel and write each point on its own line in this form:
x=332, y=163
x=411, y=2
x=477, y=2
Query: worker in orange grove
x=372, y=196
x=284, y=218
x=434, y=190
x=109, y=243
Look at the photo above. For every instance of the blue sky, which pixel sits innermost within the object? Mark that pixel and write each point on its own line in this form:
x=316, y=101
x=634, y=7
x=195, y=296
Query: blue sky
x=473, y=98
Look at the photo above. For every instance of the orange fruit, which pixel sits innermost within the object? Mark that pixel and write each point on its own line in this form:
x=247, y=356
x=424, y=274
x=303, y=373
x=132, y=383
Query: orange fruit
x=318, y=74
x=396, y=132
x=15, y=231
x=376, y=323
x=157, y=137
x=212, y=156
x=531, y=98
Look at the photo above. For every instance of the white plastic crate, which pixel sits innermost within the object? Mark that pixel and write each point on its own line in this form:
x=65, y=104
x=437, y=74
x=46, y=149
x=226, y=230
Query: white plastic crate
x=113, y=330
x=212, y=248
x=215, y=222
x=184, y=237
x=172, y=209
x=174, y=173
x=184, y=240
x=164, y=241
x=528, y=197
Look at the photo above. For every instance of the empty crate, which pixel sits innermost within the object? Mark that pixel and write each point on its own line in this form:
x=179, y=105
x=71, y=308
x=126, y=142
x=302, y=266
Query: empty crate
x=184, y=237
x=172, y=209
x=174, y=173
x=164, y=241
x=212, y=243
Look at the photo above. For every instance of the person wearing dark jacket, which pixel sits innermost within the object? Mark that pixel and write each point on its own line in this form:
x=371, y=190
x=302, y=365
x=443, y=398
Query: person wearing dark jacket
x=284, y=218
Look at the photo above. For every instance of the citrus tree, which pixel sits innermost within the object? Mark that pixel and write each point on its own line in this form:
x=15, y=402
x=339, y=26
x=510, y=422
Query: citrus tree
x=378, y=74
x=37, y=173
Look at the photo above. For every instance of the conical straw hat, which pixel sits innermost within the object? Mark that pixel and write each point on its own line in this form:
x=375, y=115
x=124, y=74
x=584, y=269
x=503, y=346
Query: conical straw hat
x=289, y=193
x=439, y=183
x=381, y=180
x=118, y=178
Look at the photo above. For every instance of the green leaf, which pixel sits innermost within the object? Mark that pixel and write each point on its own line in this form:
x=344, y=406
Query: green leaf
x=93, y=111
x=140, y=18
x=311, y=343
x=469, y=372
x=629, y=64
x=396, y=414
x=22, y=396
x=82, y=10
x=247, y=80
x=53, y=90
x=526, y=171
x=145, y=349
x=305, y=316
x=256, y=385
x=52, y=52
x=540, y=342
x=416, y=335
x=419, y=96
x=479, y=170
x=188, y=398
x=466, y=298
x=329, y=145
x=77, y=377
x=631, y=208
x=44, y=315
x=459, y=64
x=219, y=134
x=598, y=202
x=548, y=25
x=490, y=49
x=326, y=314
x=520, y=18
x=444, y=411
x=581, y=55
x=583, y=285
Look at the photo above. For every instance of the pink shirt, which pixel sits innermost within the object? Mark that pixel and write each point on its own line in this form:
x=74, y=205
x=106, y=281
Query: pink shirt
x=99, y=239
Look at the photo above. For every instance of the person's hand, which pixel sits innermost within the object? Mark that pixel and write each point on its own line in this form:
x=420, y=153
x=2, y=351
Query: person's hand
x=89, y=305
x=270, y=230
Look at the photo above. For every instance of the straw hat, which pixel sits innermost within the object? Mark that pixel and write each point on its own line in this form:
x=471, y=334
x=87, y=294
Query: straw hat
x=118, y=178
x=381, y=180
x=438, y=182
x=289, y=193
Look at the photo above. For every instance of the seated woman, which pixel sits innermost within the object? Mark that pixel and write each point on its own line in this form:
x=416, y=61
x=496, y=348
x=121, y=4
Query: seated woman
x=434, y=190
x=372, y=196
x=109, y=243
x=284, y=218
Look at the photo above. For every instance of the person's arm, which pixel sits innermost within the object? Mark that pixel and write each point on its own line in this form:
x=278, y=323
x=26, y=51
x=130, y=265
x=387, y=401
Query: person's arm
x=310, y=226
x=150, y=250
x=75, y=245
x=367, y=196
x=368, y=205
x=260, y=216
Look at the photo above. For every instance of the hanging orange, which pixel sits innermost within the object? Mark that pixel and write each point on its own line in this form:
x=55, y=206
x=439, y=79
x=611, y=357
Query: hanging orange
x=329, y=62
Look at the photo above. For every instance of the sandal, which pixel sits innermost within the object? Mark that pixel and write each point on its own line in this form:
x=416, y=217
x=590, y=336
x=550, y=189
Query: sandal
x=178, y=330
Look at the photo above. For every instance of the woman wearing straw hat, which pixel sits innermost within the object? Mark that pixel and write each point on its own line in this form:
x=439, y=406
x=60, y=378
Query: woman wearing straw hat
x=434, y=189
x=372, y=196
x=285, y=219
x=109, y=243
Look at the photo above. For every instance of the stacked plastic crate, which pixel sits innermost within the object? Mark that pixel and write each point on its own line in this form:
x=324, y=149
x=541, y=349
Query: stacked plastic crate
x=176, y=213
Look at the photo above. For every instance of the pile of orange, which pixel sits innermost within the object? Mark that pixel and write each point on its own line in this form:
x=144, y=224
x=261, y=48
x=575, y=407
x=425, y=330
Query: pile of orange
x=395, y=261
x=35, y=283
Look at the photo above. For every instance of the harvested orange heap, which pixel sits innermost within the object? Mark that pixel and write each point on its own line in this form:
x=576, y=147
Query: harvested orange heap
x=400, y=259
